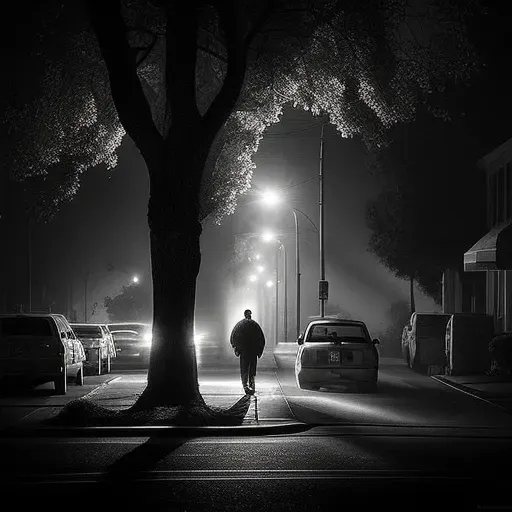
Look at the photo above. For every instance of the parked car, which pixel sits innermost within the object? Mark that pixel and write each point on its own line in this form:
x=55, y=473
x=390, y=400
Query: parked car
x=423, y=342
x=40, y=348
x=142, y=328
x=132, y=340
x=335, y=351
x=111, y=344
x=96, y=342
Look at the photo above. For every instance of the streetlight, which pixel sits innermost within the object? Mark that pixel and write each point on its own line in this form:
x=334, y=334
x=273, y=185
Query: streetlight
x=253, y=278
x=260, y=268
x=272, y=198
x=268, y=236
x=135, y=279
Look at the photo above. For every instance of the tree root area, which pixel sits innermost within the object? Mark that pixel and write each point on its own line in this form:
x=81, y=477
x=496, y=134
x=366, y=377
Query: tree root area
x=87, y=413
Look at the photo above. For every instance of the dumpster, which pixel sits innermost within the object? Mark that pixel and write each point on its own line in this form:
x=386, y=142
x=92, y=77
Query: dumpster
x=467, y=343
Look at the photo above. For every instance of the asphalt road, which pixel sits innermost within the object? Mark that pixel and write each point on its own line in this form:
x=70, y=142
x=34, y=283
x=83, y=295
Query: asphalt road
x=414, y=445
x=392, y=468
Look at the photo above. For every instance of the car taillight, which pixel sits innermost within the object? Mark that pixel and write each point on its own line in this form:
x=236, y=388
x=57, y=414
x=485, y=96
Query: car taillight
x=368, y=357
x=307, y=357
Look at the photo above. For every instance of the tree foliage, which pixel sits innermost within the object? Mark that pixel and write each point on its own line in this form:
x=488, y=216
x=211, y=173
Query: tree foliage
x=364, y=65
x=398, y=316
x=431, y=208
x=133, y=304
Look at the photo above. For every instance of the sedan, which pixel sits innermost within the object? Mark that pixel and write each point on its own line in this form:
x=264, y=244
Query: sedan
x=337, y=352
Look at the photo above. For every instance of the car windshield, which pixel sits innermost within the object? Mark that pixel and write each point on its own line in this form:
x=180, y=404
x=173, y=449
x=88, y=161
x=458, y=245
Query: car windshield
x=25, y=327
x=87, y=331
x=330, y=332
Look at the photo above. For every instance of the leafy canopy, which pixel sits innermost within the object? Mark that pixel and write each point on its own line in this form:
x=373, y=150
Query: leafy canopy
x=363, y=65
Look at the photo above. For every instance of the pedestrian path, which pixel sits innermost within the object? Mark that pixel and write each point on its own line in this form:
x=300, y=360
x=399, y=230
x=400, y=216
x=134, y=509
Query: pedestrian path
x=496, y=389
x=268, y=406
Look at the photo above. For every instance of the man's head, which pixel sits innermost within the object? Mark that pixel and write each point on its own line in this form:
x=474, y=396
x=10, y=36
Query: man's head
x=247, y=314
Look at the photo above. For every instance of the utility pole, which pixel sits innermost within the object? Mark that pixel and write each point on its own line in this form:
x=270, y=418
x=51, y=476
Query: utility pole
x=297, y=276
x=276, y=325
x=323, y=284
x=85, y=294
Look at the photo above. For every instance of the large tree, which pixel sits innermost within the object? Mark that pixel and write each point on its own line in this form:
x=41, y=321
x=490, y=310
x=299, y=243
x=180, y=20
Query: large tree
x=431, y=207
x=195, y=84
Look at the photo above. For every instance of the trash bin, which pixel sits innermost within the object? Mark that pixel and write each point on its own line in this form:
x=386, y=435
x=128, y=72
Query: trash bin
x=467, y=343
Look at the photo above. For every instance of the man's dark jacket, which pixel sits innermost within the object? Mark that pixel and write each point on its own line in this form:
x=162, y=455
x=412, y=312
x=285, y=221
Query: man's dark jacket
x=248, y=337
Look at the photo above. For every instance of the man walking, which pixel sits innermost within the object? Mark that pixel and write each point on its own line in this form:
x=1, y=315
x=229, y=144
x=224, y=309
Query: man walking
x=248, y=342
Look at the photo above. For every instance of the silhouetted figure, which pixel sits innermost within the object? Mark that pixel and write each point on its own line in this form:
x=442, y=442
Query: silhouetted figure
x=248, y=342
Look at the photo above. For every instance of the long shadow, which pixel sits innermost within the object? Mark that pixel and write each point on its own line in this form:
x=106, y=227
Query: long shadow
x=121, y=480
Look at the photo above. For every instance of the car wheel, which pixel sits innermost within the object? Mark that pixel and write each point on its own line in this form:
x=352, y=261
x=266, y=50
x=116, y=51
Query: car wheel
x=61, y=384
x=79, y=379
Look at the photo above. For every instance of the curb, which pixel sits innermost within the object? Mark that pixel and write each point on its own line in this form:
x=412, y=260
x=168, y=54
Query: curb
x=156, y=431
x=468, y=391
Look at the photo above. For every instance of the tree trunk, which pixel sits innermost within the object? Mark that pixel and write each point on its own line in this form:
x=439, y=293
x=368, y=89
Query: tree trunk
x=411, y=291
x=175, y=232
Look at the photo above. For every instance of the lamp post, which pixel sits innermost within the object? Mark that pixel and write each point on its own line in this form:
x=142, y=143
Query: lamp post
x=272, y=198
x=268, y=237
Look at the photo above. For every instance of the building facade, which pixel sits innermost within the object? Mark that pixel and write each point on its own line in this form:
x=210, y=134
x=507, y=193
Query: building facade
x=491, y=256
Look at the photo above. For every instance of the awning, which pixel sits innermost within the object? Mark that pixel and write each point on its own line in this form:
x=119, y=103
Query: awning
x=493, y=251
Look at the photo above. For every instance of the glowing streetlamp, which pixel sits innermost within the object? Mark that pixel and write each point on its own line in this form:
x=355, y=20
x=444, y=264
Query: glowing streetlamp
x=135, y=279
x=260, y=268
x=269, y=283
x=270, y=197
x=253, y=278
x=267, y=236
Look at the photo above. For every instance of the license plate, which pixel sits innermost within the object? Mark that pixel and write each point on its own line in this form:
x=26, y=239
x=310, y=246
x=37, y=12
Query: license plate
x=334, y=356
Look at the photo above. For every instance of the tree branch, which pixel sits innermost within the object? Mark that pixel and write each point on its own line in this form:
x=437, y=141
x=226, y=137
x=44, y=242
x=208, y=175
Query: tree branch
x=260, y=23
x=181, y=57
x=225, y=101
x=213, y=53
x=127, y=93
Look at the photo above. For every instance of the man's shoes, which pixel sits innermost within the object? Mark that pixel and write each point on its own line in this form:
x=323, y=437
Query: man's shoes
x=250, y=391
x=247, y=390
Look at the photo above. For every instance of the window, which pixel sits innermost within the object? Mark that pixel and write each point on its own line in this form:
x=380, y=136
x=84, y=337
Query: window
x=88, y=331
x=327, y=332
x=25, y=327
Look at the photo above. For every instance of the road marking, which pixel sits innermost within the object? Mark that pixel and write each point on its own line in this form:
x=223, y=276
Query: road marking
x=237, y=474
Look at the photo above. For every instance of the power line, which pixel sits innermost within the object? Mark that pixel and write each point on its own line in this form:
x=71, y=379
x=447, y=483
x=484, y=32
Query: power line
x=294, y=131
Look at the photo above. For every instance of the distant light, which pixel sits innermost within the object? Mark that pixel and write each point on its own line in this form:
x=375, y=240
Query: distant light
x=270, y=197
x=260, y=268
x=269, y=283
x=135, y=279
x=267, y=236
x=253, y=278
x=257, y=256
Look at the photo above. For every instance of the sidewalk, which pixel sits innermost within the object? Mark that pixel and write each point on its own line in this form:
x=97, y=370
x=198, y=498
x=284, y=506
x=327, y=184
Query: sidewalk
x=219, y=386
x=495, y=389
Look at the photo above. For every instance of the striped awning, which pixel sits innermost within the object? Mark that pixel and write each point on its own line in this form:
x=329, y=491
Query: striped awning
x=493, y=251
